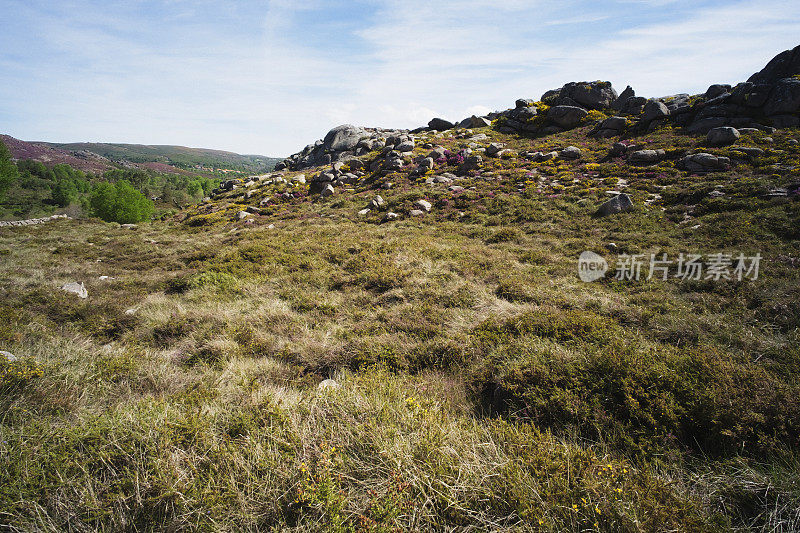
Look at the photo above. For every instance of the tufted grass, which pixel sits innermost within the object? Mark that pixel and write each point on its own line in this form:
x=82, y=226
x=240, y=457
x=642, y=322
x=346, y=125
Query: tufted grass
x=483, y=386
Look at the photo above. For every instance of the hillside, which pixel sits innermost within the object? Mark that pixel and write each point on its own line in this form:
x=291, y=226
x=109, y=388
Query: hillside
x=580, y=313
x=44, y=153
x=99, y=157
x=179, y=156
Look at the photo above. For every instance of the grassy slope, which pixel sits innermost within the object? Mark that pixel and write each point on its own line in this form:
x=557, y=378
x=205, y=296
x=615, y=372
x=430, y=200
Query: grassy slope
x=483, y=386
x=138, y=153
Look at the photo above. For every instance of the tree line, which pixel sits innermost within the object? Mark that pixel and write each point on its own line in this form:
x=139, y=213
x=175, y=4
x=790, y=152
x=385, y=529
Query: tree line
x=118, y=195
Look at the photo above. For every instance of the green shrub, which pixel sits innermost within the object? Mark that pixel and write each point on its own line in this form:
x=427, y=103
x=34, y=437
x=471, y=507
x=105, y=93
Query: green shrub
x=120, y=203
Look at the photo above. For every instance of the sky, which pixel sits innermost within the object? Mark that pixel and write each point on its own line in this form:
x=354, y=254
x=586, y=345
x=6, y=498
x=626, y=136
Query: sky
x=270, y=76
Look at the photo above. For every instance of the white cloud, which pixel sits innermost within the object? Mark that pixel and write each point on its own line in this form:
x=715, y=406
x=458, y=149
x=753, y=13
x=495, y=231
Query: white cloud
x=103, y=76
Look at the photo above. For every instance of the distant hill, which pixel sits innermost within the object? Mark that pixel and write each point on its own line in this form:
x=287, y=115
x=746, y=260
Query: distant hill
x=178, y=156
x=50, y=155
x=99, y=157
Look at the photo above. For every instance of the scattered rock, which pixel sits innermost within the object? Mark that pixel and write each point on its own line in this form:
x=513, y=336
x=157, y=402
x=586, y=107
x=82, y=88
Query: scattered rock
x=647, y=157
x=479, y=122
x=493, y=149
x=424, y=205
x=129, y=226
x=440, y=124
x=328, y=190
x=619, y=204
x=328, y=384
x=241, y=215
x=723, y=136
x=567, y=116
x=364, y=212
x=76, y=288
x=390, y=216
x=416, y=213
x=377, y=202
x=10, y=357
x=571, y=152
x=405, y=146
x=703, y=162
x=654, y=110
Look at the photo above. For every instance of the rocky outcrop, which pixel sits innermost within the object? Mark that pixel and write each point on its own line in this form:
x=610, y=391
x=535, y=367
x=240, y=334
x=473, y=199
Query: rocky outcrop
x=589, y=95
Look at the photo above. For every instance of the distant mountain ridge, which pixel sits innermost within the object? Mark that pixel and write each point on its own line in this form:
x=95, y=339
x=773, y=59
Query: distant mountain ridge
x=99, y=157
x=181, y=156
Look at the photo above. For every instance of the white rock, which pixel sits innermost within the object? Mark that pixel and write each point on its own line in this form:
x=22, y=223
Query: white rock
x=75, y=288
x=423, y=205
x=328, y=384
x=10, y=357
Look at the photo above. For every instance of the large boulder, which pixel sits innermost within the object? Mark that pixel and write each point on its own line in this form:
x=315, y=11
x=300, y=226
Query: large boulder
x=646, y=157
x=620, y=103
x=784, y=65
x=654, y=110
x=784, y=98
x=566, y=116
x=724, y=136
x=344, y=137
x=588, y=94
x=703, y=162
x=618, y=204
x=440, y=124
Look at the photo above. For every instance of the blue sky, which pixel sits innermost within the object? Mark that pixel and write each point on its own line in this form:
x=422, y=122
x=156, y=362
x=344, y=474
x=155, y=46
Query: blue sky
x=270, y=76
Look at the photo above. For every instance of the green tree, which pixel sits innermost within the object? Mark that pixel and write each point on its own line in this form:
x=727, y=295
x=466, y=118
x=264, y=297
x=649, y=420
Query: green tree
x=8, y=170
x=65, y=192
x=120, y=202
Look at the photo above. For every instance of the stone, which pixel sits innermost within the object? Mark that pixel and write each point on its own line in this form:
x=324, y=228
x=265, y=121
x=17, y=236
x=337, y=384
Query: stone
x=344, y=137
x=301, y=178
x=76, y=288
x=620, y=103
x=129, y=226
x=426, y=164
x=473, y=162
x=784, y=99
x=618, y=149
x=364, y=211
x=750, y=151
x=479, y=122
x=424, y=205
x=571, y=152
x=405, y=146
x=591, y=95
x=442, y=179
x=716, y=90
x=619, y=204
x=784, y=65
x=703, y=162
x=327, y=191
x=654, y=110
x=440, y=124
x=524, y=102
x=241, y=215
x=328, y=385
x=493, y=149
x=614, y=123
x=723, y=136
x=644, y=157
x=377, y=202
x=566, y=116
x=390, y=216
x=10, y=357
